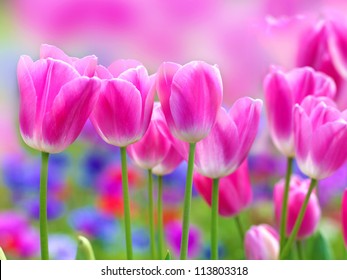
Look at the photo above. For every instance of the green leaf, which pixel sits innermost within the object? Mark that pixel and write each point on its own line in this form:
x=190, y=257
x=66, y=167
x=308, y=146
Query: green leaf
x=2, y=255
x=168, y=256
x=84, y=250
x=318, y=248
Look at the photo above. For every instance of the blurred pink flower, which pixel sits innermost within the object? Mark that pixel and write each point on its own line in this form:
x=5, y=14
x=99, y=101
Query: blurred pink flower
x=282, y=92
x=55, y=103
x=320, y=137
x=262, y=243
x=235, y=192
x=297, y=192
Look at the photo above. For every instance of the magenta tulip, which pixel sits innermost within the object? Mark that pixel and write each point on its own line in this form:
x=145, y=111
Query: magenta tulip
x=153, y=147
x=262, y=243
x=55, y=103
x=123, y=113
x=235, y=192
x=190, y=96
x=320, y=136
x=323, y=47
x=297, y=192
x=230, y=140
x=282, y=92
x=86, y=66
x=344, y=216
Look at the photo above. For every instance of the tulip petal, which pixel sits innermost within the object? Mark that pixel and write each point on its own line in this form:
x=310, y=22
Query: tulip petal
x=329, y=150
x=117, y=115
x=49, y=51
x=70, y=111
x=344, y=216
x=215, y=155
x=279, y=105
x=246, y=115
x=165, y=76
x=196, y=95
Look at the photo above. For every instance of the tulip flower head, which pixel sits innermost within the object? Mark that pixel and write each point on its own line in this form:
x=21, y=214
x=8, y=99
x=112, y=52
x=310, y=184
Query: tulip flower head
x=320, y=137
x=235, y=191
x=282, y=92
x=55, y=102
x=153, y=147
x=190, y=96
x=297, y=192
x=123, y=112
x=262, y=243
x=230, y=140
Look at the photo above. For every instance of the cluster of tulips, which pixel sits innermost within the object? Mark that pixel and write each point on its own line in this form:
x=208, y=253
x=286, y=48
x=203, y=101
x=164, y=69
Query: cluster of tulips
x=58, y=94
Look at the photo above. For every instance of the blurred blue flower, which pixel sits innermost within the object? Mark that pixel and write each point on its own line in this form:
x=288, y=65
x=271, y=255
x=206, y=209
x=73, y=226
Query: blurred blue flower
x=140, y=239
x=62, y=247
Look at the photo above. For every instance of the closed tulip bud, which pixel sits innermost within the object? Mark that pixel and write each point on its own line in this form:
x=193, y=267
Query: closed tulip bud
x=123, y=113
x=190, y=96
x=262, y=243
x=55, y=102
x=297, y=192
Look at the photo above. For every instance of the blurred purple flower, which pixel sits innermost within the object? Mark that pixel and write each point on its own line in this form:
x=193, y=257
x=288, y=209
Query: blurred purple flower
x=173, y=233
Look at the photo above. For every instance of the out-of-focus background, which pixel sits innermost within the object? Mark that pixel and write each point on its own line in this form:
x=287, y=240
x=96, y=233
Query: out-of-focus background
x=244, y=37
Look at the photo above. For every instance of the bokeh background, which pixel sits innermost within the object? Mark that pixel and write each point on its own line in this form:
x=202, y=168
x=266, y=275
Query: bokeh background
x=244, y=37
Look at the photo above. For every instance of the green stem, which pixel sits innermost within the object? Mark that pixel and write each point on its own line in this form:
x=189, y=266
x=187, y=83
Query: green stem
x=284, y=211
x=298, y=222
x=240, y=227
x=43, y=206
x=151, y=214
x=125, y=188
x=160, y=218
x=214, y=220
x=300, y=251
x=187, y=202
x=87, y=248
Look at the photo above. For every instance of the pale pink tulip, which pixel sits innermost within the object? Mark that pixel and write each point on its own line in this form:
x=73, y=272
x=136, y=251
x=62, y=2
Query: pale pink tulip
x=262, y=243
x=297, y=192
x=230, y=140
x=284, y=90
x=191, y=96
x=344, y=216
x=123, y=113
x=320, y=136
x=235, y=192
x=153, y=146
x=55, y=103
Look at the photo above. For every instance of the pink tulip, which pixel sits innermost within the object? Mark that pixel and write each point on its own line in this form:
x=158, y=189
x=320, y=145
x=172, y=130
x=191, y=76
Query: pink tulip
x=230, y=140
x=297, y=192
x=320, y=137
x=344, y=216
x=323, y=47
x=191, y=96
x=55, y=103
x=123, y=112
x=153, y=147
x=169, y=163
x=262, y=243
x=85, y=66
x=282, y=92
x=235, y=192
